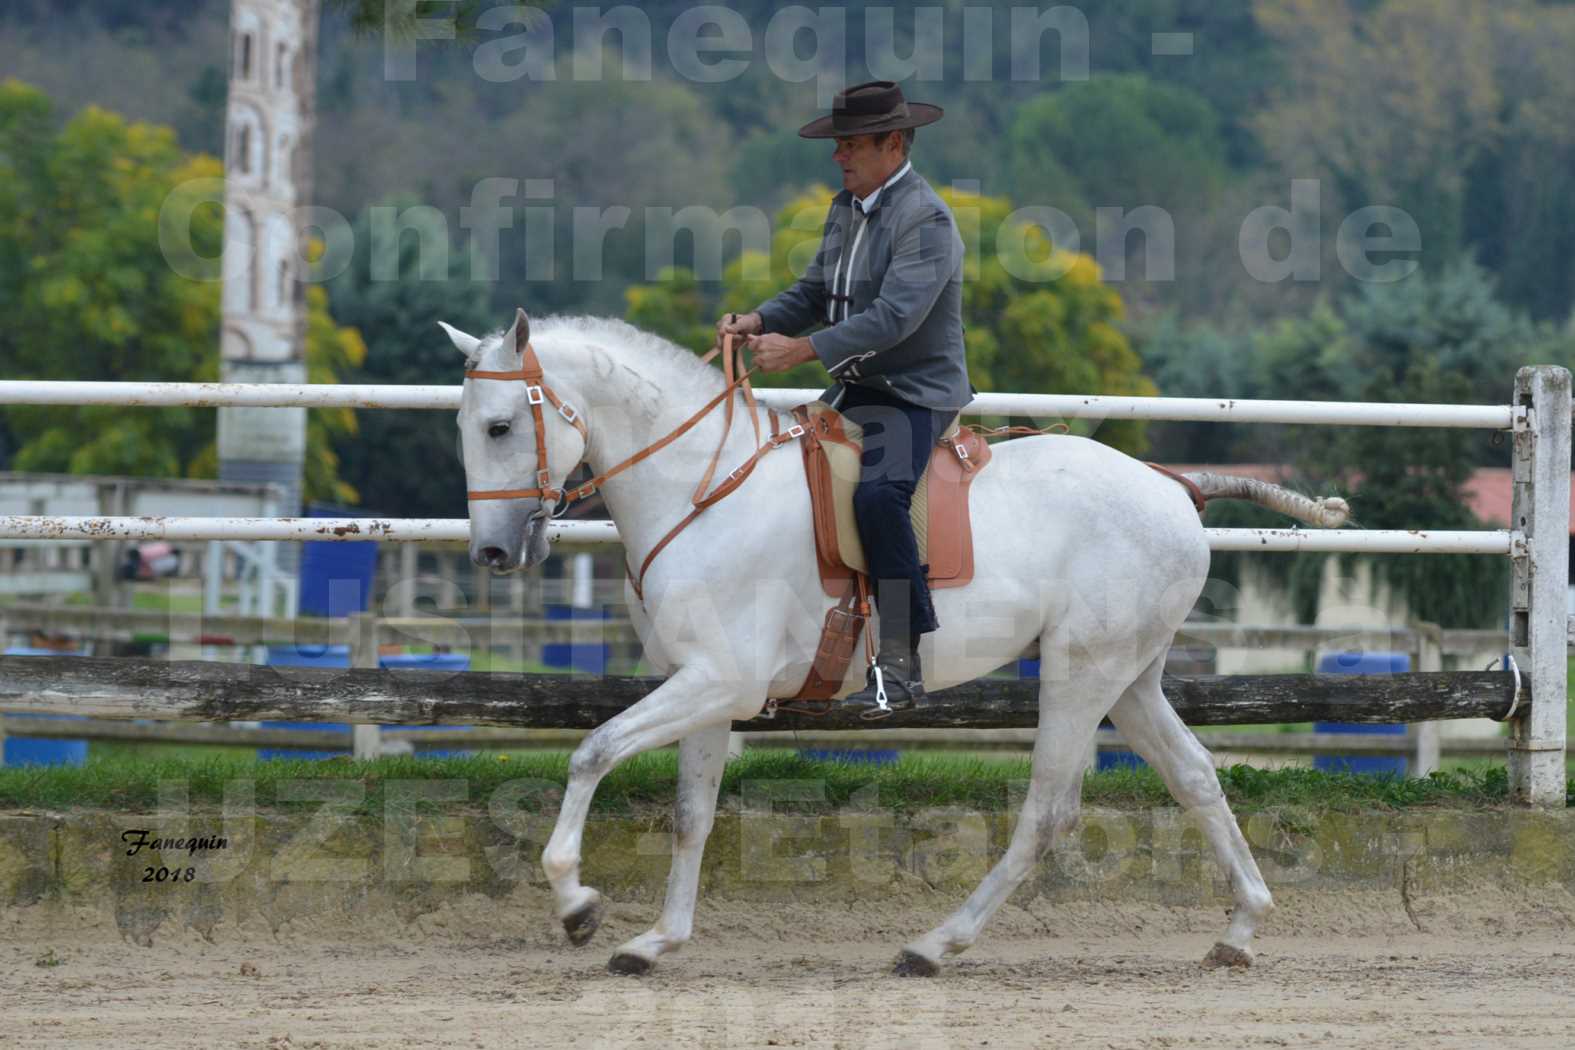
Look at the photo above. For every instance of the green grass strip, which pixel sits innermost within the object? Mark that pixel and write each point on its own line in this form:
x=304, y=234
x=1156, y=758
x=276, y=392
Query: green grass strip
x=915, y=781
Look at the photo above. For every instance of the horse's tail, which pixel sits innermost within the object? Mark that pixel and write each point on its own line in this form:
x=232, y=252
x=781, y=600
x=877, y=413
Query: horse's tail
x=1329, y=513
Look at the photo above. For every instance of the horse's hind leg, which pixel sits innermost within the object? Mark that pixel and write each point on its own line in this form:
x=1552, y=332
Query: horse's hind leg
x=1153, y=729
x=1050, y=810
x=701, y=757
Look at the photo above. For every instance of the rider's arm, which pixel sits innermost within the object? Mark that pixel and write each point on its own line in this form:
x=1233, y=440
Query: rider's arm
x=923, y=259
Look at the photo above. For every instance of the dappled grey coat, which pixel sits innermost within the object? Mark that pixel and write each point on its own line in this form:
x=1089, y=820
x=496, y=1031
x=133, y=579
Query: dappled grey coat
x=900, y=329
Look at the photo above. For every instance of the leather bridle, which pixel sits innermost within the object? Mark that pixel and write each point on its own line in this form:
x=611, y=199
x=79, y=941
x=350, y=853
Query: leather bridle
x=538, y=393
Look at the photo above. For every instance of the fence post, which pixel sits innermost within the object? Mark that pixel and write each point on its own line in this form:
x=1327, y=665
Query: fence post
x=367, y=741
x=1425, y=735
x=5, y=642
x=1539, y=599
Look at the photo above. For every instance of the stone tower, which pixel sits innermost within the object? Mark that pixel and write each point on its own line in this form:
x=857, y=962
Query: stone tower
x=267, y=161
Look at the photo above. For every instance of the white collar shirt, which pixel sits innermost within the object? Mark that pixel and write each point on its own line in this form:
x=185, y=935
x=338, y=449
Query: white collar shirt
x=843, y=274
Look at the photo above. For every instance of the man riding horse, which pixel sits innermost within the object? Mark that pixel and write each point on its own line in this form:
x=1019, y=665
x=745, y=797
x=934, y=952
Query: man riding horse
x=886, y=285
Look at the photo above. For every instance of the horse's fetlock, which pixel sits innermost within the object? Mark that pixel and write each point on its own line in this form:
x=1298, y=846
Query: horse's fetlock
x=1258, y=903
x=558, y=865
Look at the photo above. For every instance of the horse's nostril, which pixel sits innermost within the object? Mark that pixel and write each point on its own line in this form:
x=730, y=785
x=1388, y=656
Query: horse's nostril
x=492, y=555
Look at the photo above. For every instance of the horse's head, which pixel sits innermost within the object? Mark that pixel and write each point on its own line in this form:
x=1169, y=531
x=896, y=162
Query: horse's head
x=511, y=483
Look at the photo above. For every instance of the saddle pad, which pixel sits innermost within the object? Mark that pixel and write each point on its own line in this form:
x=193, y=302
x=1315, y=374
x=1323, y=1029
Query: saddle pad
x=939, y=512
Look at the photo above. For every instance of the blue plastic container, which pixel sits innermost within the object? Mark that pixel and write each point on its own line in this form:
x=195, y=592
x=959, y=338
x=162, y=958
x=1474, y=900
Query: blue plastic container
x=43, y=751
x=1119, y=758
x=587, y=658
x=1363, y=663
x=335, y=578
x=339, y=656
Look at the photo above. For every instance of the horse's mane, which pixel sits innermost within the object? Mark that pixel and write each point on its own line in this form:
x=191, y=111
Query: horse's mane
x=620, y=339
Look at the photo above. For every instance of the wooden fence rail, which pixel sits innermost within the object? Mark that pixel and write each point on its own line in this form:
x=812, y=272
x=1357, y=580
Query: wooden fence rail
x=209, y=692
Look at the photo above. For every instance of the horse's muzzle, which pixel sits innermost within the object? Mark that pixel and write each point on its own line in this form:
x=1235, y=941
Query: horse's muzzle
x=509, y=537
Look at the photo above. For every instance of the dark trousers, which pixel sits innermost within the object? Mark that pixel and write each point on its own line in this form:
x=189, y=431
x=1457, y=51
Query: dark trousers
x=898, y=439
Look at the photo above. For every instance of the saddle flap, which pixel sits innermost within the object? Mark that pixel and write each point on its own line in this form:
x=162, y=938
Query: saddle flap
x=939, y=514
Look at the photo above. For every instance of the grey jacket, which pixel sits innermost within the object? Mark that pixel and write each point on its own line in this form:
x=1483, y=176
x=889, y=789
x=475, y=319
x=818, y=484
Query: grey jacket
x=900, y=328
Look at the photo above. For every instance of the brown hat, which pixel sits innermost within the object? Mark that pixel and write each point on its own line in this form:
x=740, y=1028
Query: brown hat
x=870, y=109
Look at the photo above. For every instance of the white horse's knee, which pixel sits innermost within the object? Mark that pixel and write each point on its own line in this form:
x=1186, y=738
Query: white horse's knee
x=593, y=758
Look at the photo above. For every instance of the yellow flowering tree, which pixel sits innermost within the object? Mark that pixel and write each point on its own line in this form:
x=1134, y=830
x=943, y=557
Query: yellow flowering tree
x=1036, y=319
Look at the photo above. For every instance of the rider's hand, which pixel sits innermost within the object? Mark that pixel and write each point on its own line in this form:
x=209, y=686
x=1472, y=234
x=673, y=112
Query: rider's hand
x=778, y=353
x=738, y=324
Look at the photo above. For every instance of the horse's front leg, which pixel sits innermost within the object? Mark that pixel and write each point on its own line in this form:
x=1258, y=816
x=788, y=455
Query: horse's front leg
x=693, y=699
x=701, y=757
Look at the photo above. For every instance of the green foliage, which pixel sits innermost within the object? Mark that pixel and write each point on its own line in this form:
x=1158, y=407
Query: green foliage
x=915, y=782
x=672, y=307
x=1197, y=360
x=394, y=293
x=1036, y=319
x=1156, y=144
x=400, y=18
x=90, y=294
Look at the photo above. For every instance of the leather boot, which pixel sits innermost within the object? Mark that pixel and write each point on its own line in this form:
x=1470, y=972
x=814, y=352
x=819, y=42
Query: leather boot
x=896, y=670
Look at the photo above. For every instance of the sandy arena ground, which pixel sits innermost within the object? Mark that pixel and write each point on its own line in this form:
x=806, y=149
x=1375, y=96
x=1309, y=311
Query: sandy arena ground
x=1330, y=973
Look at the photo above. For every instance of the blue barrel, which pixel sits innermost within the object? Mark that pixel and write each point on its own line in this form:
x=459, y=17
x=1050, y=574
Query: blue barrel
x=43, y=751
x=339, y=656
x=588, y=658
x=335, y=578
x=1117, y=758
x=1363, y=663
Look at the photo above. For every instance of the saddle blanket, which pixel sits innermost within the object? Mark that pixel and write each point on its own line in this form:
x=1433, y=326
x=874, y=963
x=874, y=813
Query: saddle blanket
x=832, y=446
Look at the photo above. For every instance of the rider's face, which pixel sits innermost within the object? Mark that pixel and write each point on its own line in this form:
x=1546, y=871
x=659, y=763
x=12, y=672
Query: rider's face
x=867, y=161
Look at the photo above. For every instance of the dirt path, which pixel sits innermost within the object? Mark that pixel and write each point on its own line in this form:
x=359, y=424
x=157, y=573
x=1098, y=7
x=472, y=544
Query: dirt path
x=1095, y=975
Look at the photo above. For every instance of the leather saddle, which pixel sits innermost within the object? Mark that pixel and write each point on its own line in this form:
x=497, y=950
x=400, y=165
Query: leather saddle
x=832, y=445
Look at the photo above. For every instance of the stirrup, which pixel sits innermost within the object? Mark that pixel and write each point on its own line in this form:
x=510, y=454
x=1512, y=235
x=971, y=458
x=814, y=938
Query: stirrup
x=882, y=708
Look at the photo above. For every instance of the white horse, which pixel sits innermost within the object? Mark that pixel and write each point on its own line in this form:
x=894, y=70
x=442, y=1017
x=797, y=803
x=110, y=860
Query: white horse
x=1080, y=549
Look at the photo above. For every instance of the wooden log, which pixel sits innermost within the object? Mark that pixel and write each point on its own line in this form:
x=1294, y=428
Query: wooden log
x=213, y=692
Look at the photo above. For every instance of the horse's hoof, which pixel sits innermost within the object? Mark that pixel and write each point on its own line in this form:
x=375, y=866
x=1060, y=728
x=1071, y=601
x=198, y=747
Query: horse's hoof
x=629, y=964
x=1222, y=955
x=581, y=926
x=912, y=964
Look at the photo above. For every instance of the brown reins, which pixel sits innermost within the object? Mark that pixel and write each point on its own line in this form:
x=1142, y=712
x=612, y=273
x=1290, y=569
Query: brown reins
x=537, y=393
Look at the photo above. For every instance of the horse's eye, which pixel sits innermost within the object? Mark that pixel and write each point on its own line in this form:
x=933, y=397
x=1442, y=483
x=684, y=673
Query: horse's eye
x=497, y=430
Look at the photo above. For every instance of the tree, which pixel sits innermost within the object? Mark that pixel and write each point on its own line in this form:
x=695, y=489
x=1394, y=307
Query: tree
x=90, y=294
x=1036, y=319
x=672, y=307
x=1429, y=64
x=394, y=297
x=1443, y=339
x=1117, y=141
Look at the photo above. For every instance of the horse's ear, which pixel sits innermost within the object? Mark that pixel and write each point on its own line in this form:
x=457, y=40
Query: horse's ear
x=521, y=331
x=465, y=344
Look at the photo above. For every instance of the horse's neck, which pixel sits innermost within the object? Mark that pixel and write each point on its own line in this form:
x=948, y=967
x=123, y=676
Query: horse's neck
x=631, y=401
